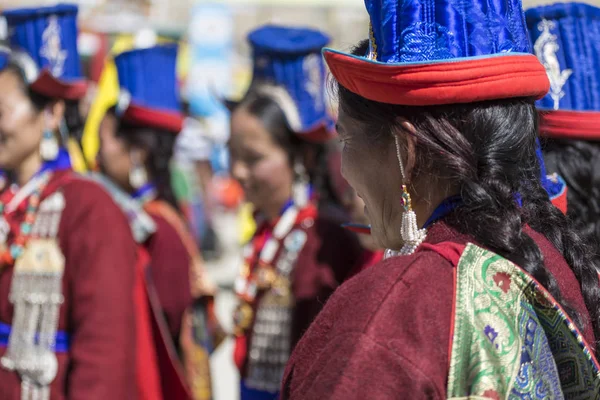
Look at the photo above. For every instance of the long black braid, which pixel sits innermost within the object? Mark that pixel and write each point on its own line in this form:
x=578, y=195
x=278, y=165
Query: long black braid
x=578, y=163
x=487, y=150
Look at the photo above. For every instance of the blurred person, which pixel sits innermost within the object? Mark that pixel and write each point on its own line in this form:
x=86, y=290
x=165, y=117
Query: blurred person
x=298, y=255
x=137, y=139
x=194, y=147
x=486, y=289
x=67, y=316
x=564, y=36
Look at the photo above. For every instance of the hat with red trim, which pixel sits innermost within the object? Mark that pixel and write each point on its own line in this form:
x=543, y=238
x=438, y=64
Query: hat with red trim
x=433, y=52
x=148, y=87
x=566, y=39
x=44, y=42
x=289, y=68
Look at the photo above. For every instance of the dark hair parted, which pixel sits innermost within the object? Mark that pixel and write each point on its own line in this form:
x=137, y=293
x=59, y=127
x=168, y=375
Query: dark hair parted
x=578, y=163
x=273, y=119
x=487, y=150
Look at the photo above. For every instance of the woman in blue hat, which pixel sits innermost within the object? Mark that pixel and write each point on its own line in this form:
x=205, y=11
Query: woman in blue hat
x=137, y=138
x=66, y=276
x=299, y=253
x=486, y=290
x=565, y=37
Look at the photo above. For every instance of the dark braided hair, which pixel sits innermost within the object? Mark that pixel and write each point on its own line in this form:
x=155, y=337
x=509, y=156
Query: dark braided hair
x=159, y=144
x=271, y=115
x=578, y=163
x=487, y=150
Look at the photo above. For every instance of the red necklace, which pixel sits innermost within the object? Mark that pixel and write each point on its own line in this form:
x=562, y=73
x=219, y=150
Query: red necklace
x=8, y=254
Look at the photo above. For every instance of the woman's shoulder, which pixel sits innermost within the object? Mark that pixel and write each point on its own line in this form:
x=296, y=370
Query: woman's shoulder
x=403, y=305
x=84, y=195
x=423, y=277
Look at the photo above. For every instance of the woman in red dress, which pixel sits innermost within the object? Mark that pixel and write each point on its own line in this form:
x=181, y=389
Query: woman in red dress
x=486, y=290
x=137, y=139
x=299, y=253
x=67, y=320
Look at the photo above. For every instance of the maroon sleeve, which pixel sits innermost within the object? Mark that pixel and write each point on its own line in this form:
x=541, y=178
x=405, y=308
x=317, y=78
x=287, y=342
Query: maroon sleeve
x=170, y=271
x=384, y=334
x=354, y=366
x=100, y=258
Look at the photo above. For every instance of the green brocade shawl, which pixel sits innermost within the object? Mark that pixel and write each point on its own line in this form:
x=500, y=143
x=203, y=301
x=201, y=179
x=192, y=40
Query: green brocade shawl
x=511, y=340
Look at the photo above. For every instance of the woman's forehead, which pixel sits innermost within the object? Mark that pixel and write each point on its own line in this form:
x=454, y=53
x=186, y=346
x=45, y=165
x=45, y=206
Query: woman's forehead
x=10, y=84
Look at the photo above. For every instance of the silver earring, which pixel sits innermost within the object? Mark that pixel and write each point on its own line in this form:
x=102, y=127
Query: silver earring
x=138, y=176
x=300, y=186
x=412, y=236
x=49, y=146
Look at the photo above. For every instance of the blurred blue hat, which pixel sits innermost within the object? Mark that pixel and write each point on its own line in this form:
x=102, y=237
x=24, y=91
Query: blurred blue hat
x=566, y=39
x=432, y=52
x=149, y=89
x=4, y=57
x=288, y=66
x=48, y=37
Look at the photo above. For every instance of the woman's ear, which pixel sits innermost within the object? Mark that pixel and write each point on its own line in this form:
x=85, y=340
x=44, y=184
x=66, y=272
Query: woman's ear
x=407, y=138
x=54, y=114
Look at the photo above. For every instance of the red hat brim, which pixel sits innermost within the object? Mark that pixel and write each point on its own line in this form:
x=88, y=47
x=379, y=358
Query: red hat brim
x=322, y=133
x=584, y=125
x=46, y=84
x=464, y=80
x=162, y=119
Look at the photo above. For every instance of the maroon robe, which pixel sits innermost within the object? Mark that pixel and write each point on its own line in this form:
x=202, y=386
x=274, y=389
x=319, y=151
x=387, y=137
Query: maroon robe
x=98, y=308
x=170, y=272
x=385, y=334
x=329, y=256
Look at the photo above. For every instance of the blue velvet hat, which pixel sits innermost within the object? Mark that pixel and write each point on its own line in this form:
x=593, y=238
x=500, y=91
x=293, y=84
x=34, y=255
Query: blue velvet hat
x=149, y=90
x=432, y=52
x=48, y=37
x=566, y=40
x=288, y=66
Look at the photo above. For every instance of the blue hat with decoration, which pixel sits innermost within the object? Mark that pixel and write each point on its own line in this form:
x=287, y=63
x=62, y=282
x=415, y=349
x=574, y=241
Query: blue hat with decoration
x=149, y=90
x=289, y=68
x=44, y=44
x=433, y=52
x=566, y=39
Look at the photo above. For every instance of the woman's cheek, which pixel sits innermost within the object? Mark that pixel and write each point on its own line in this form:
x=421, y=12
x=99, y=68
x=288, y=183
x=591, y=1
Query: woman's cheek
x=269, y=173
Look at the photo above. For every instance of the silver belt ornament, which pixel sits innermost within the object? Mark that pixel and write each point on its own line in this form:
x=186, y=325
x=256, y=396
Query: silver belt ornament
x=36, y=293
x=270, y=346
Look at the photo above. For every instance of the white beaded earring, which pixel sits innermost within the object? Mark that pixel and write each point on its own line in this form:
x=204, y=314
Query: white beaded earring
x=300, y=194
x=138, y=176
x=411, y=234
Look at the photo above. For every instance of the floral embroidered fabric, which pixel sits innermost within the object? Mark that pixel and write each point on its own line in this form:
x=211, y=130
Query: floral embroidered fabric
x=511, y=340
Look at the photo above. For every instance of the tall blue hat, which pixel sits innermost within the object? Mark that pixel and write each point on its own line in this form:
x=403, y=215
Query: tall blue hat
x=45, y=44
x=288, y=66
x=432, y=52
x=149, y=91
x=566, y=40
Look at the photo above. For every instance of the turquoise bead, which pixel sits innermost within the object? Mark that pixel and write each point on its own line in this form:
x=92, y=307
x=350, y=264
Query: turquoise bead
x=26, y=228
x=15, y=251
